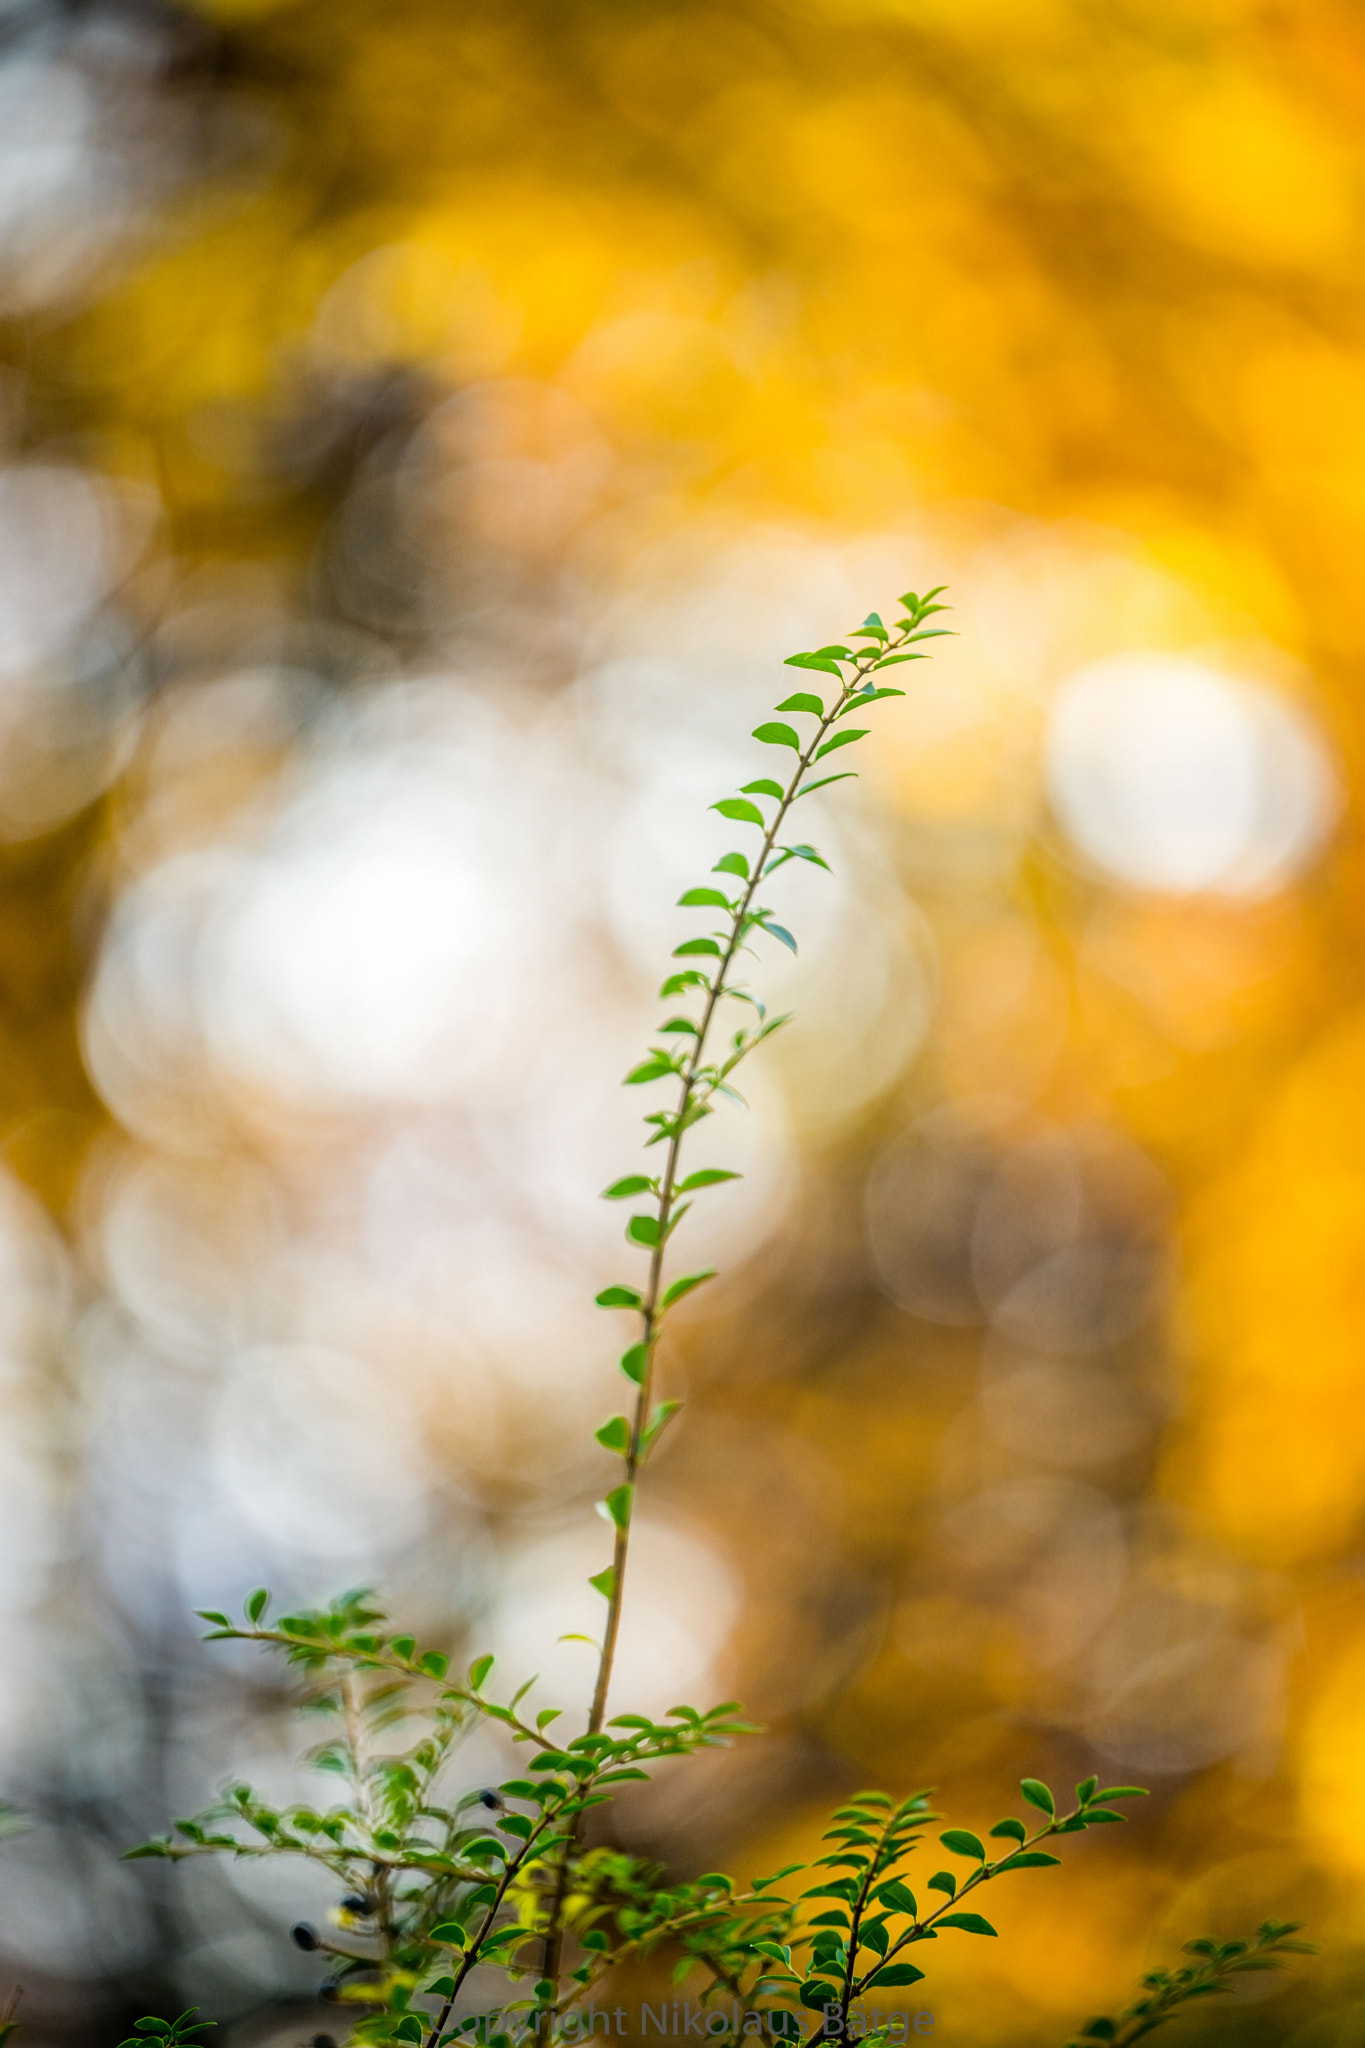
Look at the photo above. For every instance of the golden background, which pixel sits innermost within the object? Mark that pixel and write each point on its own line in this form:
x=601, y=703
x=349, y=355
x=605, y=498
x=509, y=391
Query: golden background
x=426, y=429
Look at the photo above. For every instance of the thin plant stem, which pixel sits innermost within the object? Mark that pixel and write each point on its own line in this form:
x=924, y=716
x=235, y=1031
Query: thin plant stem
x=691, y=1079
x=353, y=1721
x=472, y=1955
x=651, y=1305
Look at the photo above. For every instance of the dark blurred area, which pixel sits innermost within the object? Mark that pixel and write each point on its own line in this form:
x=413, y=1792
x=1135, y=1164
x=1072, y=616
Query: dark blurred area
x=422, y=435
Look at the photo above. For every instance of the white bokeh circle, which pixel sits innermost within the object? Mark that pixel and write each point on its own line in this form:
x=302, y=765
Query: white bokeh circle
x=1173, y=776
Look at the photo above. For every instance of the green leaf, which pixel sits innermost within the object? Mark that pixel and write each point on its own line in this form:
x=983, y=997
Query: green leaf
x=450, y=1932
x=657, y=1069
x=633, y=1184
x=898, y=1897
x=890, y=1974
x=676, y=983
x=257, y=1604
x=1014, y=1829
x=776, y=931
x=823, y=661
x=617, y=1505
x=841, y=739
x=736, y=808
x=816, y=1994
x=693, y=899
x=634, y=1361
x=849, y=775
x=1027, y=1859
x=775, y=735
x=1124, y=1792
x=890, y=660
x=479, y=1670
x=617, y=1297
x=685, y=1286
x=963, y=1843
x=1086, y=1790
x=505, y=1937
x=659, y=1421
x=605, y=1582
x=800, y=852
x=409, y=2028
x=1101, y=1813
x=1037, y=1794
x=643, y=1230
x=763, y=787
x=944, y=1881
x=970, y=1923
x=615, y=1436
x=679, y=953
x=802, y=701
x=706, y=1177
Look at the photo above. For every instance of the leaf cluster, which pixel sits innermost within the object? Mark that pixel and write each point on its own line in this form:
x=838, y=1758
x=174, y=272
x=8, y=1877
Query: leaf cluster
x=179, y=2033
x=1216, y=1965
x=869, y=1918
x=434, y=1882
x=431, y=1884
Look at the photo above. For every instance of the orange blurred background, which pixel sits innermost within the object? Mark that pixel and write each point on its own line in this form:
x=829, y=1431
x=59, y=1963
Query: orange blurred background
x=425, y=431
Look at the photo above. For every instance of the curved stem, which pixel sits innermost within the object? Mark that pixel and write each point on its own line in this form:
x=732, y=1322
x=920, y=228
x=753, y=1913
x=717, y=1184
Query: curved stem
x=982, y=1875
x=694, y=1084
x=471, y=1956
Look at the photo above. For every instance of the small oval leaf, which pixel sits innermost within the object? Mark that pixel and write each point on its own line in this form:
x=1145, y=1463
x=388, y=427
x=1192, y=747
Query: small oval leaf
x=1037, y=1794
x=694, y=899
x=970, y=1923
x=685, y=1286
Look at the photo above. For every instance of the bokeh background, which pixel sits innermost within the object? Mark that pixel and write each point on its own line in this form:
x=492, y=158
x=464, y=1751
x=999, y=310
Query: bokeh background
x=425, y=429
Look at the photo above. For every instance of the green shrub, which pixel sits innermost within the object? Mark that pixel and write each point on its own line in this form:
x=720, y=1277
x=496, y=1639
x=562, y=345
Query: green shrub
x=433, y=1885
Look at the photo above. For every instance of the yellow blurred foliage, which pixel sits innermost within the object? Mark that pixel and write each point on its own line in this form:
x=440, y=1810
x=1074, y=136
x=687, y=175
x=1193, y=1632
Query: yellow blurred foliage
x=1056, y=302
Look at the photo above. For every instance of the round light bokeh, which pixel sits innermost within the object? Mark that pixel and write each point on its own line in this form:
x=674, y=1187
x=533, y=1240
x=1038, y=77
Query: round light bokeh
x=682, y=1606
x=355, y=959
x=1170, y=775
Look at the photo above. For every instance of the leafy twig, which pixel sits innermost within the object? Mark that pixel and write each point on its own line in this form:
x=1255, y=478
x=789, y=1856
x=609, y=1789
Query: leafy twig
x=1165, y=1991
